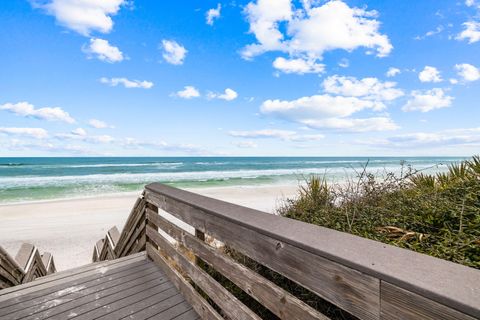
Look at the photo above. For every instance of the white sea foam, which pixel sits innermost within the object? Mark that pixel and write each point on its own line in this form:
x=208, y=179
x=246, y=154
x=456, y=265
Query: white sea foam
x=106, y=179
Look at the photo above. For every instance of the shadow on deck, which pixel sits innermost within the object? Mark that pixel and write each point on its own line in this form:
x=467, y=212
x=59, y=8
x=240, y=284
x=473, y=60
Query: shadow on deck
x=132, y=287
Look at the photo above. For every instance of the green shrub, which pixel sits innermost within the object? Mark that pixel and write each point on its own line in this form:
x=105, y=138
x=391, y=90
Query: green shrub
x=435, y=214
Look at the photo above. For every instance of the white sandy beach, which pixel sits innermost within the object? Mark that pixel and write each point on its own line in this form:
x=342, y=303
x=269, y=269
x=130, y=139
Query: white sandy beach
x=69, y=228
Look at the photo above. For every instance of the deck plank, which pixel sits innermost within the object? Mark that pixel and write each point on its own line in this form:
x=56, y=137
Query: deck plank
x=71, y=294
x=134, y=287
x=66, y=276
x=69, y=287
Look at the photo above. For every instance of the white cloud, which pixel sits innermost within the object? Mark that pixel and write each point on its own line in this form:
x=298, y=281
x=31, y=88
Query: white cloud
x=392, y=72
x=102, y=50
x=173, y=52
x=368, y=88
x=82, y=16
x=127, y=83
x=430, y=33
x=133, y=143
x=79, y=132
x=298, y=65
x=451, y=137
x=429, y=100
x=81, y=135
x=329, y=112
x=471, y=32
x=213, y=14
x=246, y=144
x=187, y=93
x=98, y=124
x=285, y=135
x=468, y=72
x=228, y=95
x=37, y=133
x=344, y=63
x=312, y=30
x=430, y=74
x=26, y=109
x=353, y=125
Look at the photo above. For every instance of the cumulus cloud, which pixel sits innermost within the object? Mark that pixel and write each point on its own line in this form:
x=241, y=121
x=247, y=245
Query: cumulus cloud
x=285, y=135
x=213, y=14
x=298, y=65
x=329, y=112
x=468, y=72
x=37, y=133
x=228, y=95
x=173, y=52
x=188, y=92
x=82, y=16
x=430, y=74
x=312, y=30
x=127, y=83
x=98, y=124
x=368, y=88
x=26, y=109
x=392, y=72
x=103, y=50
x=471, y=32
x=429, y=100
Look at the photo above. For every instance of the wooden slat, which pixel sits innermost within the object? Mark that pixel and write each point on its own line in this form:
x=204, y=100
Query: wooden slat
x=204, y=310
x=136, y=216
x=400, y=304
x=74, y=285
x=92, y=294
x=10, y=272
x=276, y=299
x=66, y=276
x=232, y=307
x=58, y=295
x=347, y=288
x=84, y=306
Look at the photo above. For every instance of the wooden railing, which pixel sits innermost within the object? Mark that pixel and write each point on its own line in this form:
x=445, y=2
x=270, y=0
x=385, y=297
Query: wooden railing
x=131, y=240
x=28, y=265
x=368, y=279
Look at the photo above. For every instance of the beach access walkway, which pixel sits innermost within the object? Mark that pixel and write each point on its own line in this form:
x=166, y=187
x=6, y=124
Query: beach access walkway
x=181, y=255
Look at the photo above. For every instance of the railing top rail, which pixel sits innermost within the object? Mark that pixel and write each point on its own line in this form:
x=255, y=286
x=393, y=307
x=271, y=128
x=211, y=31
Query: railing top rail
x=449, y=283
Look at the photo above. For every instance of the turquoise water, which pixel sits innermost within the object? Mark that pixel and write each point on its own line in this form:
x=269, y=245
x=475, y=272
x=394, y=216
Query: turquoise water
x=29, y=179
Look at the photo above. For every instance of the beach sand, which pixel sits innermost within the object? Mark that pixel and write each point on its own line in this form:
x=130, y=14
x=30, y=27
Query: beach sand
x=69, y=228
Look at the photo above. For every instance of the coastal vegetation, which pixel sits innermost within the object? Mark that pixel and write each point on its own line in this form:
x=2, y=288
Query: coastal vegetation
x=435, y=214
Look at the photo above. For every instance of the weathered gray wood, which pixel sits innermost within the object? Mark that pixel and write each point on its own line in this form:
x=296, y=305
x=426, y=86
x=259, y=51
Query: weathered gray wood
x=345, y=287
x=57, y=295
x=232, y=307
x=202, y=307
x=442, y=281
x=10, y=271
x=97, y=249
x=277, y=300
x=188, y=315
x=400, y=304
x=66, y=277
x=86, y=299
x=136, y=217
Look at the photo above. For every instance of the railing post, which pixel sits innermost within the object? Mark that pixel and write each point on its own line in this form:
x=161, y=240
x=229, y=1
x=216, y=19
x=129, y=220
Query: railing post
x=150, y=223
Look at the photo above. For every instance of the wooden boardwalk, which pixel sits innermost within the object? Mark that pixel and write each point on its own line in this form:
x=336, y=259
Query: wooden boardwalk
x=169, y=260
x=132, y=287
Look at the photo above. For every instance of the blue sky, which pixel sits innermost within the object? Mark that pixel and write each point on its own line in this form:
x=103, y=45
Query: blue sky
x=260, y=77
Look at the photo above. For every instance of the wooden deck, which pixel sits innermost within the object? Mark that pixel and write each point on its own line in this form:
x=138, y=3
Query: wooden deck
x=132, y=287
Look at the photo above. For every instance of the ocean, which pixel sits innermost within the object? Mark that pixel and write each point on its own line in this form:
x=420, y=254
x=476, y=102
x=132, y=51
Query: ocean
x=33, y=179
